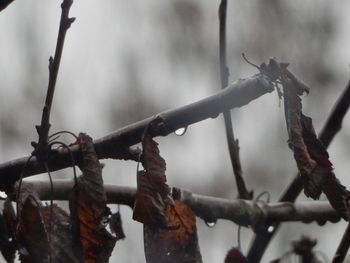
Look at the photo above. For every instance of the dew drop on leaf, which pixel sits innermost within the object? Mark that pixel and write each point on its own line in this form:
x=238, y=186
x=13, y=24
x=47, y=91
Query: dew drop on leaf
x=181, y=131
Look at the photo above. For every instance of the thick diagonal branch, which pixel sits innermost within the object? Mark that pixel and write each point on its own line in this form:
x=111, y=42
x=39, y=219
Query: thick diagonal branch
x=116, y=145
x=210, y=209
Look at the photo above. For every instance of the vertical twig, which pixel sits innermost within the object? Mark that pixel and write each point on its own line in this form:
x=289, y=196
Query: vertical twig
x=233, y=144
x=343, y=247
x=330, y=129
x=41, y=148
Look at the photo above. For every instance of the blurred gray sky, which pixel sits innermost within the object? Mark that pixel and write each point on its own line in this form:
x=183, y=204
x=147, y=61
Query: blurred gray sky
x=126, y=60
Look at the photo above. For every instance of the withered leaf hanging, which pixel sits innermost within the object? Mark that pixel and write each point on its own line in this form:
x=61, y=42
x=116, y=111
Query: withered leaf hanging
x=178, y=242
x=61, y=239
x=311, y=156
x=89, y=211
x=44, y=231
x=34, y=245
x=152, y=194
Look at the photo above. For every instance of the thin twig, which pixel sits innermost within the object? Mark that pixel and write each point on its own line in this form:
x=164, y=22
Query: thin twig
x=334, y=122
x=4, y=4
x=116, y=145
x=330, y=129
x=41, y=148
x=343, y=247
x=233, y=144
x=210, y=209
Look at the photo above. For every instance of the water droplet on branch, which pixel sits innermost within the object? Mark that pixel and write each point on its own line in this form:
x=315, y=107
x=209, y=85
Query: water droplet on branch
x=181, y=131
x=210, y=224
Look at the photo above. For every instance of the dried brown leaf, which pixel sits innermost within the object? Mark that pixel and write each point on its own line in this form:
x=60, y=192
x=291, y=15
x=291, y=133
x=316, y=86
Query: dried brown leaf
x=32, y=236
x=61, y=241
x=149, y=204
x=311, y=156
x=89, y=211
x=154, y=164
x=176, y=243
x=152, y=194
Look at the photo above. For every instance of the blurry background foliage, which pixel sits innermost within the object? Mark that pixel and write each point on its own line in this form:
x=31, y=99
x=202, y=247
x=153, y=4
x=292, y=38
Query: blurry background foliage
x=126, y=60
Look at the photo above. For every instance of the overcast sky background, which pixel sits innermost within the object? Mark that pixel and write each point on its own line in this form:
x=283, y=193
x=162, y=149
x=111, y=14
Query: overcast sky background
x=127, y=60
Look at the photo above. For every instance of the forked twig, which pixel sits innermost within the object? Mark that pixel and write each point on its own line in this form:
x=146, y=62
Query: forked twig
x=42, y=146
x=233, y=144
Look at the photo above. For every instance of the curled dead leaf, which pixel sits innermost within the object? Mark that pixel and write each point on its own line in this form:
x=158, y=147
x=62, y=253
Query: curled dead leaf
x=152, y=194
x=311, y=156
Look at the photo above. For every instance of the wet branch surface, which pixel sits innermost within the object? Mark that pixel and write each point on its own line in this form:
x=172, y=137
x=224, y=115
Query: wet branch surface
x=116, y=145
x=330, y=129
x=233, y=144
x=208, y=208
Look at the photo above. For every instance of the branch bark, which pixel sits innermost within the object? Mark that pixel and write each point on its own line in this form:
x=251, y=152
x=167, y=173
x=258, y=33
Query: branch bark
x=330, y=129
x=208, y=208
x=116, y=145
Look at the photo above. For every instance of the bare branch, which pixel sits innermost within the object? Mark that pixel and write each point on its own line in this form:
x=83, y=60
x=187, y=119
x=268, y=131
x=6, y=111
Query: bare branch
x=263, y=236
x=210, y=209
x=116, y=145
x=233, y=144
x=343, y=247
x=4, y=4
x=335, y=120
x=41, y=148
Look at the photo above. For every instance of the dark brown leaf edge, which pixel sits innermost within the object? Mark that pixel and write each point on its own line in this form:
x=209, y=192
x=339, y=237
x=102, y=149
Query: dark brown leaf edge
x=8, y=245
x=43, y=231
x=303, y=249
x=152, y=195
x=61, y=238
x=311, y=156
x=88, y=207
x=234, y=255
x=116, y=225
x=176, y=243
x=32, y=234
